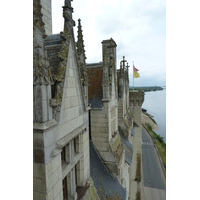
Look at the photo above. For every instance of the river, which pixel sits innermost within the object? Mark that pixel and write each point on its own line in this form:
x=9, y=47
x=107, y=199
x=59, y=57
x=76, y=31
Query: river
x=155, y=104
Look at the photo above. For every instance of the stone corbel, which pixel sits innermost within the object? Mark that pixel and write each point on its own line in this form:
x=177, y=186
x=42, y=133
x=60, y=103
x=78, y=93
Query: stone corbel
x=63, y=37
x=55, y=152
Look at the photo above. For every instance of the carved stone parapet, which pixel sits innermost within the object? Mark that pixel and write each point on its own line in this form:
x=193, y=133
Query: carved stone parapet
x=137, y=97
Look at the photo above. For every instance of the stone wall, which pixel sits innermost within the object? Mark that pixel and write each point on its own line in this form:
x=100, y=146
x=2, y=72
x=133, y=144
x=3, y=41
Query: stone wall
x=47, y=16
x=71, y=129
x=135, y=102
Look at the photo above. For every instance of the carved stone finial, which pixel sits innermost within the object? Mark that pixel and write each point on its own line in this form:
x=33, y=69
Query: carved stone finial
x=68, y=3
x=123, y=61
x=68, y=21
x=127, y=66
x=81, y=55
x=81, y=63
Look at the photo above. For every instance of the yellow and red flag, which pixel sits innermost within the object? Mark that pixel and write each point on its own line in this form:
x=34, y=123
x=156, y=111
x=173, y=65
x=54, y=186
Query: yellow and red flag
x=135, y=72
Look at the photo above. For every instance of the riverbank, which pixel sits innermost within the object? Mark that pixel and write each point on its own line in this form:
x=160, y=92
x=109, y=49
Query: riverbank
x=150, y=125
x=146, y=119
x=146, y=88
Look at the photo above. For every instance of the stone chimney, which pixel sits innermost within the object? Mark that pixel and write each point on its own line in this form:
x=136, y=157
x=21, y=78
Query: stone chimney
x=109, y=67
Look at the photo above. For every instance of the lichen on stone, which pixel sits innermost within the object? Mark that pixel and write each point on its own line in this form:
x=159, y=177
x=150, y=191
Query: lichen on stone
x=117, y=147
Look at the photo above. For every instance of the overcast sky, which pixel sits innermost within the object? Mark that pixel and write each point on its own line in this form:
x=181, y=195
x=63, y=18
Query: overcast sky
x=137, y=26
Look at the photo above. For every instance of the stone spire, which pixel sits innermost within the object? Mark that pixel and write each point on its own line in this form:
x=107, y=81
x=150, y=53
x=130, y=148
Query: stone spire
x=81, y=62
x=65, y=35
x=80, y=45
x=68, y=21
x=123, y=61
x=127, y=66
x=42, y=78
x=127, y=81
x=81, y=55
x=62, y=55
x=123, y=78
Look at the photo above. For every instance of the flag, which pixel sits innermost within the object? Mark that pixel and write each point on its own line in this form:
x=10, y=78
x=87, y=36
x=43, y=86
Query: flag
x=134, y=69
x=135, y=72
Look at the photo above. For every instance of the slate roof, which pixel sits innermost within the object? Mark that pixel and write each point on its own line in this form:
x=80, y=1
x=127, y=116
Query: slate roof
x=96, y=103
x=128, y=147
x=95, y=89
x=105, y=183
x=53, y=45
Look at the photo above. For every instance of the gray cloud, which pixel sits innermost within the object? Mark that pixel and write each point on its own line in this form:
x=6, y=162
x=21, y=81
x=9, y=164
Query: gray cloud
x=138, y=27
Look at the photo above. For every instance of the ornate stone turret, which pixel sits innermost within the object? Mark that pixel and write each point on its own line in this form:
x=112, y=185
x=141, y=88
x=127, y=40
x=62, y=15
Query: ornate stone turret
x=109, y=67
x=121, y=78
x=127, y=85
x=67, y=14
x=123, y=65
x=42, y=79
x=124, y=116
x=127, y=74
x=80, y=45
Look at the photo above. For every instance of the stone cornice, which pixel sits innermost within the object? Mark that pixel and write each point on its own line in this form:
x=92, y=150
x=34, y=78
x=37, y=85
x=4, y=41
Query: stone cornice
x=42, y=127
x=64, y=141
x=137, y=97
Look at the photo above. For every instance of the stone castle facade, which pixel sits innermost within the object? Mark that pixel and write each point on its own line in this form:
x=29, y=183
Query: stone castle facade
x=86, y=122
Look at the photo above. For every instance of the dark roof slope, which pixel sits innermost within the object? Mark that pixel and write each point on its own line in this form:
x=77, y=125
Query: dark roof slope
x=128, y=147
x=106, y=185
x=95, y=89
x=53, y=45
